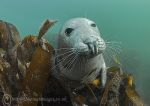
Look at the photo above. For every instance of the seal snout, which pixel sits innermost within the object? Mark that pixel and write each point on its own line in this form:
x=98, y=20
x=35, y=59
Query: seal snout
x=90, y=45
x=93, y=48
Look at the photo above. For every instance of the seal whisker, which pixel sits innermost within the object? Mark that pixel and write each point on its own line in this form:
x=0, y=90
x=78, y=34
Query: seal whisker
x=106, y=57
x=69, y=59
x=118, y=51
x=69, y=63
x=64, y=49
x=58, y=55
x=114, y=46
x=62, y=60
x=110, y=54
x=113, y=42
x=75, y=59
x=117, y=48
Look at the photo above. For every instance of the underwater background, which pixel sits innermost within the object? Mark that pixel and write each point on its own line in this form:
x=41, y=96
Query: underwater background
x=125, y=21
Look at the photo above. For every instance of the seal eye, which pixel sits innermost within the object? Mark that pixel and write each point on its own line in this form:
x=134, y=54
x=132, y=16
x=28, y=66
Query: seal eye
x=68, y=31
x=93, y=25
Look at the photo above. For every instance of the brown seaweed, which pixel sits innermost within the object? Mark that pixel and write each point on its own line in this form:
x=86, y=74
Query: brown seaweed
x=28, y=45
x=47, y=24
x=112, y=86
x=20, y=53
x=128, y=94
x=9, y=40
x=37, y=74
x=9, y=35
x=4, y=68
x=39, y=53
x=132, y=96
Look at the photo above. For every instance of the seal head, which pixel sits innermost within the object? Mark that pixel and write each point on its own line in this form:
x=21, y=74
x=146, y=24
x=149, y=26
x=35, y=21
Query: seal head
x=82, y=36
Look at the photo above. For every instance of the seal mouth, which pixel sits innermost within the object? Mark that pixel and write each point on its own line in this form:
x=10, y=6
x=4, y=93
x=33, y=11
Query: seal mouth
x=89, y=54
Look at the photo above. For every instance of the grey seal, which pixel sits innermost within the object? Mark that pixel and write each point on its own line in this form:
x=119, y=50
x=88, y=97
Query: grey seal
x=80, y=48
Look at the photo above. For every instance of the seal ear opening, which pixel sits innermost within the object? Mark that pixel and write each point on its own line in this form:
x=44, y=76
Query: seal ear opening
x=47, y=24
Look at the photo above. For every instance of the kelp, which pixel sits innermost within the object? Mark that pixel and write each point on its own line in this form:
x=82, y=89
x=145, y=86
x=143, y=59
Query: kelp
x=132, y=96
x=36, y=77
x=47, y=24
x=127, y=94
x=40, y=58
x=9, y=35
x=27, y=47
x=118, y=91
x=9, y=40
x=112, y=88
x=4, y=68
x=31, y=55
x=29, y=44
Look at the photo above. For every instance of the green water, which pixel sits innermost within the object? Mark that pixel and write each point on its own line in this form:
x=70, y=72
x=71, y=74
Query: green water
x=127, y=21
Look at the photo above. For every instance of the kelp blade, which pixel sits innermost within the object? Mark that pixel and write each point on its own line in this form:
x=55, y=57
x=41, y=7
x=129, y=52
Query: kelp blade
x=37, y=76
